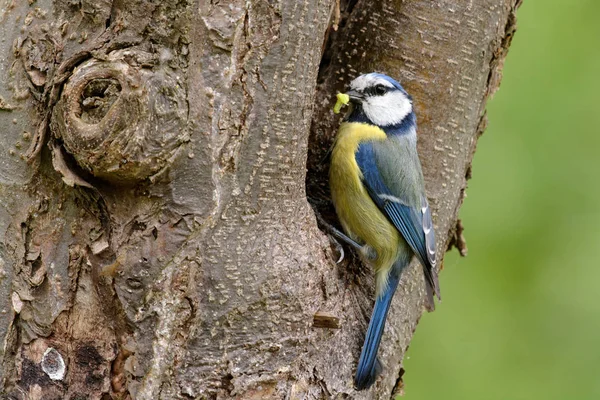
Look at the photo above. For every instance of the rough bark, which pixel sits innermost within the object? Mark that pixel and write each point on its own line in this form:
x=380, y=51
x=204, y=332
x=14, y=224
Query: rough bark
x=156, y=237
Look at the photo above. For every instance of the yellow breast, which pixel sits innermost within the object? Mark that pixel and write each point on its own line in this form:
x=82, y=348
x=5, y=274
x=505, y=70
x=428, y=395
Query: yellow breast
x=360, y=217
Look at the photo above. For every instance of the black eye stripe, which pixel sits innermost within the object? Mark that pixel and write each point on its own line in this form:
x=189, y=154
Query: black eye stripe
x=377, y=90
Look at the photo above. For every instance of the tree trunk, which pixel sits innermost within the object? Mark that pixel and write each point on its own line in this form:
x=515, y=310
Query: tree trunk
x=157, y=240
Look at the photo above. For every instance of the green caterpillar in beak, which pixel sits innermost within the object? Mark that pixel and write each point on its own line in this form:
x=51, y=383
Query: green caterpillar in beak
x=342, y=100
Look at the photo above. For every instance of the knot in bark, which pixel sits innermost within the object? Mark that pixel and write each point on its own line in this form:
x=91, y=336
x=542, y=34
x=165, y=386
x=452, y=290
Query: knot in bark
x=122, y=119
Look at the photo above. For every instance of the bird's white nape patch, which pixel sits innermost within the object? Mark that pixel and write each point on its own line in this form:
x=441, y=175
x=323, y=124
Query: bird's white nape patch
x=388, y=109
x=369, y=80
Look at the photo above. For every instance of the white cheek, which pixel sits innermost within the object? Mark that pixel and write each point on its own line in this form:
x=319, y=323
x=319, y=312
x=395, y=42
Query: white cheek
x=389, y=109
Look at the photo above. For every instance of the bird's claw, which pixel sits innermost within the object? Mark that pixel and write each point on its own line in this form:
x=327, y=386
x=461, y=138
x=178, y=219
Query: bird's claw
x=340, y=249
x=335, y=234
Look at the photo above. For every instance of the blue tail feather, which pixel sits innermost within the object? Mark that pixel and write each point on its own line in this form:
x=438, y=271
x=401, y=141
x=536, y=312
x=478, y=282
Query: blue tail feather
x=368, y=364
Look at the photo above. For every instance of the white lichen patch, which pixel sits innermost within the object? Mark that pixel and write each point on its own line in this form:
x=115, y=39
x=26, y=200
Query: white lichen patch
x=53, y=364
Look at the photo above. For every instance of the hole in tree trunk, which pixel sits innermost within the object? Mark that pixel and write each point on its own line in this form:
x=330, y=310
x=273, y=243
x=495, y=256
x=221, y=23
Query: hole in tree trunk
x=97, y=98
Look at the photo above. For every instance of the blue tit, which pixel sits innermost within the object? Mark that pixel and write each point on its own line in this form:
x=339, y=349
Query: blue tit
x=378, y=192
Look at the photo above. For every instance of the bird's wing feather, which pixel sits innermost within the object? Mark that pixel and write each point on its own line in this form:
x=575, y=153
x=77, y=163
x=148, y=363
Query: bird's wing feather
x=428, y=230
x=413, y=222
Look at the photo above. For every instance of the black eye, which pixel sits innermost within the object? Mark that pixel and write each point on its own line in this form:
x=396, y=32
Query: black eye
x=380, y=90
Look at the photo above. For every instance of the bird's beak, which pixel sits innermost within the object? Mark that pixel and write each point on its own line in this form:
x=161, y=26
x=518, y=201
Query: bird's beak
x=355, y=96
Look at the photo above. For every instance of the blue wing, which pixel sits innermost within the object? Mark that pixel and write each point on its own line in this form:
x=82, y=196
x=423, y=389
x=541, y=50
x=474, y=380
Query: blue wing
x=412, y=221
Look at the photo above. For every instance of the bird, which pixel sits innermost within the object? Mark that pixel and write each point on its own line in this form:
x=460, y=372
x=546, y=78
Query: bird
x=378, y=193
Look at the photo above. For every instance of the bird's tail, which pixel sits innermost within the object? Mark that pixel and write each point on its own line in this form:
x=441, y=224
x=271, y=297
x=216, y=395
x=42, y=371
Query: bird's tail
x=368, y=364
x=432, y=287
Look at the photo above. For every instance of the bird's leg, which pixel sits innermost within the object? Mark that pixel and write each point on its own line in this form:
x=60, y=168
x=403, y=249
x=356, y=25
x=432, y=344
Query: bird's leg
x=337, y=234
x=345, y=238
x=367, y=252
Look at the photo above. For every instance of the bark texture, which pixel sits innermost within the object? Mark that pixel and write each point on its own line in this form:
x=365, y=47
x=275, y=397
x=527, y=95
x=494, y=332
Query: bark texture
x=156, y=235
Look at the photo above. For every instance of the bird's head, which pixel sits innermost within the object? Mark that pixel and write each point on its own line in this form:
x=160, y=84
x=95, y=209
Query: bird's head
x=380, y=100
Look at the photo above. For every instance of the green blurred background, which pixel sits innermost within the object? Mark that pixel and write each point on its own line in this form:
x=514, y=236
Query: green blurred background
x=521, y=314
